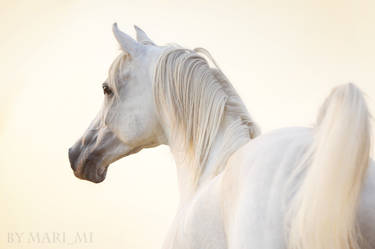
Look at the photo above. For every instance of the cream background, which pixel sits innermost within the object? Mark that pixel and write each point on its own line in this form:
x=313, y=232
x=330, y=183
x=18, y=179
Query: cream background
x=282, y=56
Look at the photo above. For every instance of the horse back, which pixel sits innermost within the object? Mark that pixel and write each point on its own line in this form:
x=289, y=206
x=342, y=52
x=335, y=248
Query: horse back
x=257, y=187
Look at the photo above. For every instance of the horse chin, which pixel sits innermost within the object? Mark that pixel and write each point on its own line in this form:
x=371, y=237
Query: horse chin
x=100, y=175
x=93, y=174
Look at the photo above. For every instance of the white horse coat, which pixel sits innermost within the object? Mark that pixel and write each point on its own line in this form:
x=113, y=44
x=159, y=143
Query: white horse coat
x=243, y=207
x=296, y=188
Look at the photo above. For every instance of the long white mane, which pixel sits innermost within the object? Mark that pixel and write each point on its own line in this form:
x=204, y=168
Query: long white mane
x=193, y=100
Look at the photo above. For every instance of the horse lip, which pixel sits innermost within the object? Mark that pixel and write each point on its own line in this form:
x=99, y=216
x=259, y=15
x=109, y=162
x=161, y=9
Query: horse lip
x=77, y=174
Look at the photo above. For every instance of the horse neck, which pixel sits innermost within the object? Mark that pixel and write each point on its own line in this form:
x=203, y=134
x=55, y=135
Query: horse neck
x=226, y=142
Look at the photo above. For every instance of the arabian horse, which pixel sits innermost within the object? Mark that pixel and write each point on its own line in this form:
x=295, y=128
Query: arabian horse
x=295, y=188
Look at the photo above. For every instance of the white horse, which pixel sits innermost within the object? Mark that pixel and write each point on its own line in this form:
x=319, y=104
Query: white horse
x=296, y=188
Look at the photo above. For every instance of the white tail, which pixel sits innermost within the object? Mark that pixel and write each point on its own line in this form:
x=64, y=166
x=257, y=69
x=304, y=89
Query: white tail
x=323, y=211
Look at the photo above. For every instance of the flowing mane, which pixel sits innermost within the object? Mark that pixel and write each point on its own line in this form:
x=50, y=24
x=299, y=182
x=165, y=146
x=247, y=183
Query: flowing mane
x=193, y=100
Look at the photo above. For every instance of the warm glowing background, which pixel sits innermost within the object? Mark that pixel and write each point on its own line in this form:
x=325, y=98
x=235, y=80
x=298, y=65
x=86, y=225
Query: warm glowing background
x=282, y=56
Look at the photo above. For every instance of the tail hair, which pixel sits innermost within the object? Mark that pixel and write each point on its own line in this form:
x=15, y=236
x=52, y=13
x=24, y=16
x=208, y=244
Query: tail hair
x=323, y=211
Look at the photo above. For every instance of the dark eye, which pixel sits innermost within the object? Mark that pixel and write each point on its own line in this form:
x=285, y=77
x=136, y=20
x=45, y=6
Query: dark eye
x=107, y=90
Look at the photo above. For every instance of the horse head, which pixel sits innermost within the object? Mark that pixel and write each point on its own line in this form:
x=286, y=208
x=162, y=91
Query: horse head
x=127, y=121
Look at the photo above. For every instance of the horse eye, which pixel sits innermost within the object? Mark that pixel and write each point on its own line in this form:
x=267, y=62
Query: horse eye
x=107, y=90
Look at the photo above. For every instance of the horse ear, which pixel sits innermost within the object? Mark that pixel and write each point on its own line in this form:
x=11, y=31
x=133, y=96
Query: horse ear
x=142, y=37
x=127, y=43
